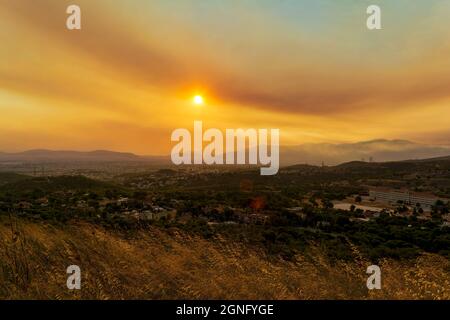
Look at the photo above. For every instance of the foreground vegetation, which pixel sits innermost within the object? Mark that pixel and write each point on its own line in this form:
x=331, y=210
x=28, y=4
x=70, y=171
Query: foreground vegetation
x=223, y=234
x=167, y=263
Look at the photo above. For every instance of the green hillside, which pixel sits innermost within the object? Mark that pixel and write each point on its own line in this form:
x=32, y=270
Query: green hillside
x=52, y=184
x=11, y=177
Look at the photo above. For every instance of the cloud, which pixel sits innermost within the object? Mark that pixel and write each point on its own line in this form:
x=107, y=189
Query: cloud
x=134, y=61
x=296, y=81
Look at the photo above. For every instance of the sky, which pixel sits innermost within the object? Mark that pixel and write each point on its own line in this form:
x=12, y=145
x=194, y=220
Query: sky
x=312, y=69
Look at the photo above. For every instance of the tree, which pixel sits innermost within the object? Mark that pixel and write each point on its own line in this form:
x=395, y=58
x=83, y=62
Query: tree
x=140, y=195
x=327, y=204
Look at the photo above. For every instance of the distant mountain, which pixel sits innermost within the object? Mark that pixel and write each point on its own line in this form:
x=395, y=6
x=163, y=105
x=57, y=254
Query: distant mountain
x=312, y=154
x=76, y=156
x=446, y=158
x=369, y=151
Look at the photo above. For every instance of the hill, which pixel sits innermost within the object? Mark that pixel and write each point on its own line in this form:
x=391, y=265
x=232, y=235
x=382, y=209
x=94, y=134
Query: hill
x=412, y=165
x=380, y=150
x=52, y=184
x=371, y=151
x=76, y=156
x=10, y=177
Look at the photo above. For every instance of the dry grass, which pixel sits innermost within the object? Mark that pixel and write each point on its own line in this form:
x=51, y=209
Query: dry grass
x=158, y=264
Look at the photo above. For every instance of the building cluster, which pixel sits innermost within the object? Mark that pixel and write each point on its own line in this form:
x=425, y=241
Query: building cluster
x=406, y=197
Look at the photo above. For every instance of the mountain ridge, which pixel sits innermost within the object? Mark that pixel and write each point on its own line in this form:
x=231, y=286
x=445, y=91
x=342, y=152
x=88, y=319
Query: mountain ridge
x=377, y=150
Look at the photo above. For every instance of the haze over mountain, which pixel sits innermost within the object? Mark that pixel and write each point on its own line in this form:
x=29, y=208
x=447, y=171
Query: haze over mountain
x=42, y=155
x=315, y=154
x=380, y=150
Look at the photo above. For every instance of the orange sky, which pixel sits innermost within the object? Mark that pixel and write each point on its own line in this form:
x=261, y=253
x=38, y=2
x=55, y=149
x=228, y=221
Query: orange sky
x=312, y=69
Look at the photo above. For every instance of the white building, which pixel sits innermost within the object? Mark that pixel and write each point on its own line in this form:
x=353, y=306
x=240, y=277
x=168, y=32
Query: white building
x=407, y=197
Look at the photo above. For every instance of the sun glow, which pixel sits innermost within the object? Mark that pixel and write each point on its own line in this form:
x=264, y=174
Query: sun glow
x=198, y=100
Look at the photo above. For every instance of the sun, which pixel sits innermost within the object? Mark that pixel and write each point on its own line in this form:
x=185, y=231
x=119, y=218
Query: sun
x=198, y=100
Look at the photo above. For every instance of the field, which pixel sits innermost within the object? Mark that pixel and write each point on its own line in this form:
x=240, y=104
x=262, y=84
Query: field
x=171, y=264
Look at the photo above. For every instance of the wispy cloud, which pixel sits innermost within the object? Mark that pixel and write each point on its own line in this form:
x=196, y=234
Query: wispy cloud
x=134, y=63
